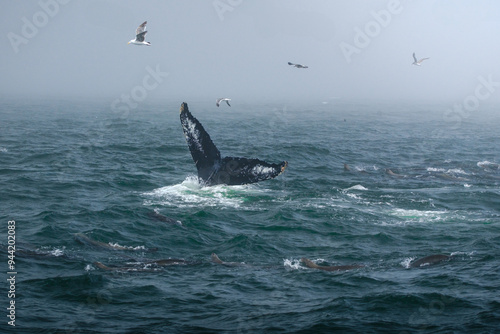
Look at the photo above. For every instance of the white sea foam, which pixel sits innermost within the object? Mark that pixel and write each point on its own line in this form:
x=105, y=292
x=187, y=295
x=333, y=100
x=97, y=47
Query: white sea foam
x=419, y=216
x=3, y=150
x=354, y=196
x=456, y=171
x=356, y=187
x=118, y=246
x=57, y=252
x=488, y=164
x=432, y=169
x=462, y=253
x=292, y=264
x=406, y=262
x=398, y=223
x=190, y=193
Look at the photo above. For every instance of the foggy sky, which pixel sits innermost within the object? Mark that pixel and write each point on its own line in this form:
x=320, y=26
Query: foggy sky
x=240, y=49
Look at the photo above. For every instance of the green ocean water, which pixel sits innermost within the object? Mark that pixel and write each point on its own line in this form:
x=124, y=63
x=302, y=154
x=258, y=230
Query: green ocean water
x=70, y=167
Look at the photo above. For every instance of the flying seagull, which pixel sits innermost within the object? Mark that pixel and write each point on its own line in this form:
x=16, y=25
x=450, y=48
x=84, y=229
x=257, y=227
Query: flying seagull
x=140, y=34
x=298, y=65
x=218, y=101
x=418, y=62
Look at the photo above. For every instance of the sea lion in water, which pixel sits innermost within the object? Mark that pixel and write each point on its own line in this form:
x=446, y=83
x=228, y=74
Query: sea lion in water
x=158, y=216
x=216, y=259
x=391, y=173
x=212, y=169
x=313, y=265
x=429, y=260
x=347, y=168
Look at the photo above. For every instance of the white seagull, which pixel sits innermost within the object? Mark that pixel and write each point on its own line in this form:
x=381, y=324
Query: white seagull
x=140, y=34
x=218, y=101
x=298, y=65
x=418, y=62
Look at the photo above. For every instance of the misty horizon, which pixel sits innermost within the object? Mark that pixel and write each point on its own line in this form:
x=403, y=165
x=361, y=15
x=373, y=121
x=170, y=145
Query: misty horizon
x=240, y=49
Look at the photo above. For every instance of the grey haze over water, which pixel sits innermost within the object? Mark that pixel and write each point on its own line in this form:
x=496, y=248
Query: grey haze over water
x=240, y=48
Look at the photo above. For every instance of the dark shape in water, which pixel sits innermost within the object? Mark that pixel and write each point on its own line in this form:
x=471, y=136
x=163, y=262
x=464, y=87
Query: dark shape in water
x=216, y=259
x=25, y=251
x=158, y=216
x=429, y=260
x=313, y=265
x=212, y=169
x=391, y=173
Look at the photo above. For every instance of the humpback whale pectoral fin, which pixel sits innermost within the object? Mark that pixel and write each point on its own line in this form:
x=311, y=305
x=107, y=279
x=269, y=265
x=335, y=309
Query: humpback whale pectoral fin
x=212, y=169
x=204, y=152
x=236, y=171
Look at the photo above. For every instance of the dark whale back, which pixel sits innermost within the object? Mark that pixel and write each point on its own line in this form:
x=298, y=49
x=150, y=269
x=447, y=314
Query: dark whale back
x=429, y=260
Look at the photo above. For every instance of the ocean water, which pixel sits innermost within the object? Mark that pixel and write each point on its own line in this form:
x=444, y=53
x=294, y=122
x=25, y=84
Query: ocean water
x=69, y=167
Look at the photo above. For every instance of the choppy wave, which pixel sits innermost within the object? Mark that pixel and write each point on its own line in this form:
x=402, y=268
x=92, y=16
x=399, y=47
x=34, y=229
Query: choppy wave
x=488, y=164
x=420, y=216
x=54, y=187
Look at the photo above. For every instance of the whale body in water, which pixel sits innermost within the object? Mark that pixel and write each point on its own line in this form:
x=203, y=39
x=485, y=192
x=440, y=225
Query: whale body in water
x=313, y=265
x=429, y=260
x=212, y=168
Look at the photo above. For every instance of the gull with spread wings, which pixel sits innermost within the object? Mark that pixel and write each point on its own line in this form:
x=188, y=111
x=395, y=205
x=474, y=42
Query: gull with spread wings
x=218, y=101
x=418, y=62
x=298, y=65
x=140, y=35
